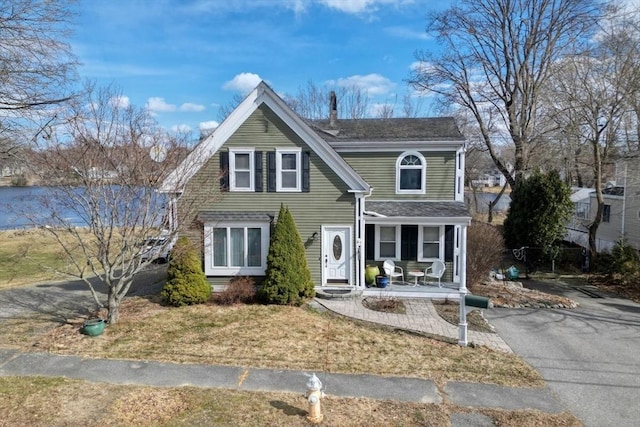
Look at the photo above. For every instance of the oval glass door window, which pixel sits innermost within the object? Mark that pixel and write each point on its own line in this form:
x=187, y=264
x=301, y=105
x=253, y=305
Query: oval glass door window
x=337, y=247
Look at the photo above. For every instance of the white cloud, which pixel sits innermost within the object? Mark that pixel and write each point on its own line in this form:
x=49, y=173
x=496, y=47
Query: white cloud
x=181, y=128
x=421, y=66
x=157, y=104
x=406, y=33
x=120, y=101
x=377, y=110
x=210, y=125
x=360, y=6
x=374, y=84
x=191, y=107
x=243, y=82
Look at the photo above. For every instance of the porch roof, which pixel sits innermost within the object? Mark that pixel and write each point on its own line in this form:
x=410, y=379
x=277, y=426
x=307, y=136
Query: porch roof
x=415, y=209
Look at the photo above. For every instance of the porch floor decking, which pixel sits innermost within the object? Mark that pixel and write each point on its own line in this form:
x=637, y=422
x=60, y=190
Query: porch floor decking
x=408, y=290
x=400, y=289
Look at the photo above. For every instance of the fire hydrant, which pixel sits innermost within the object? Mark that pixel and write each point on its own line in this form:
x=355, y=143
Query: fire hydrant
x=314, y=394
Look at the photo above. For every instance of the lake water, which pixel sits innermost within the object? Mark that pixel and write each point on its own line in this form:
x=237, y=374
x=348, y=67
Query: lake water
x=483, y=200
x=24, y=207
x=15, y=202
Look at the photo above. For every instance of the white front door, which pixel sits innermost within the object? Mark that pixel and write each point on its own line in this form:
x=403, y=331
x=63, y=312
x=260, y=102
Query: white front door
x=336, y=254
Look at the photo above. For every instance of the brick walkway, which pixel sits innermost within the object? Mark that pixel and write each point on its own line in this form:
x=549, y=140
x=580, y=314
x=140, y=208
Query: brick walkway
x=421, y=316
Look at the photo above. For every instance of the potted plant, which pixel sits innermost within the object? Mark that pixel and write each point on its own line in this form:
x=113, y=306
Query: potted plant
x=382, y=281
x=370, y=274
x=93, y=327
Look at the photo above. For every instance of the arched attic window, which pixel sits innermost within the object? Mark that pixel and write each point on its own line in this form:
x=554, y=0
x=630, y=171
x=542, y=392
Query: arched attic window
x=411, y=171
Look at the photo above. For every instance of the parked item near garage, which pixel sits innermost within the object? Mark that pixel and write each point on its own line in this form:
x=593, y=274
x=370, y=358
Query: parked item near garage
x=158, y=248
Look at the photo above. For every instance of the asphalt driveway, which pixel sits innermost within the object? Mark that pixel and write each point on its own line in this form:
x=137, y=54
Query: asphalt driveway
x=67, y=300
x=589, y=356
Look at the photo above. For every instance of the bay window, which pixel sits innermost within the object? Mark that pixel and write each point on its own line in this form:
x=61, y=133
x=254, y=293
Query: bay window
x=236, y=248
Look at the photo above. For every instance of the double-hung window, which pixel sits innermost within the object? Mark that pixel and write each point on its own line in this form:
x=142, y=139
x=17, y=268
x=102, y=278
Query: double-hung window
x=606, y=213
x=241, y=170
x=236, y=248
x=411, y=169
x=430, y=242
x=387, y=242
x=288, y=170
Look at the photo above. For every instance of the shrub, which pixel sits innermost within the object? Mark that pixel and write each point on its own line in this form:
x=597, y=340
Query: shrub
x=626, y=259
x=538, y=214
x=186, y=283
x=484, y=251
x=240, y=290
x=288, y=279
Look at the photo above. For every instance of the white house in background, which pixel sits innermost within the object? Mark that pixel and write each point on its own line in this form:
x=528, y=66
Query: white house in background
x=621, y=215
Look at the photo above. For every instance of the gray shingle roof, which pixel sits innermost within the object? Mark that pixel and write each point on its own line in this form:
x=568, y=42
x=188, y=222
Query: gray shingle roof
x=212, y=216
x=394, y=129
x=419, y=209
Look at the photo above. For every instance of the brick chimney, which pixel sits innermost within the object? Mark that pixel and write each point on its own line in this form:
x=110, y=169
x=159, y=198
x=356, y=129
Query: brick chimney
x=333, y=110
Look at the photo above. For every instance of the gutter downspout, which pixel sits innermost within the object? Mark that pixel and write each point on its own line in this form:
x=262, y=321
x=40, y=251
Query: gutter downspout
x=360, y=243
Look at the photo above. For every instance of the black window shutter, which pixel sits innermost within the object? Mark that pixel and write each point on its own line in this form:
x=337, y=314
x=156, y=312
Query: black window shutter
x=257, y=158
x=224, y=171
x=305, y=172
x=370, y=239
x=409, y=243
x=449, y=233
x=271, y=171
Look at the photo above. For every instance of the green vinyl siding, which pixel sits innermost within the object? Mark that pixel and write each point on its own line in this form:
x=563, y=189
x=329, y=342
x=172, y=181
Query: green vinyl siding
x=379, y=170
x=327, y=203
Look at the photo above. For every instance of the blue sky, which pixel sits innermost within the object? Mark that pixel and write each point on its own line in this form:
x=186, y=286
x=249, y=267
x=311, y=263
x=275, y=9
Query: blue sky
x=183, y=59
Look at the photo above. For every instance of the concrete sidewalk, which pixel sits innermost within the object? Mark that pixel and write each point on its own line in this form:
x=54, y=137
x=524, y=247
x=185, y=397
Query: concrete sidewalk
x=15, y=363
x=421, y=317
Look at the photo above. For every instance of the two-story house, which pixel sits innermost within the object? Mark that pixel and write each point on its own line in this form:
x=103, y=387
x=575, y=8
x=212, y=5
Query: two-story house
x=621, y=211
x=361, y=192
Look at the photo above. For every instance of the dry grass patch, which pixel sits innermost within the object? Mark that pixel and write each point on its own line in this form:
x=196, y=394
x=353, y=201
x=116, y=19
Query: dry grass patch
x=278, y=337
x=27, y=256
x=450, y=311
x=37, y=401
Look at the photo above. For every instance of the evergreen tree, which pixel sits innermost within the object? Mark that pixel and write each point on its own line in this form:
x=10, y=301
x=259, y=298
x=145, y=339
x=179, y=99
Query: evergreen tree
x=538, y=214
x=288, y=279
x=186, y=283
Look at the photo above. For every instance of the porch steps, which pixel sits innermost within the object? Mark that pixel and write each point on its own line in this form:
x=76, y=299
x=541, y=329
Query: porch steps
x=337, y=293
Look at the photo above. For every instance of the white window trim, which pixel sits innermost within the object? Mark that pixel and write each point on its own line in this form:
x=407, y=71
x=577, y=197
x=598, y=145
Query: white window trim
x=298, y=153
x=423, y=168
x=211, y=270
x=421, y=257
x=232, y=169
x=377, y=248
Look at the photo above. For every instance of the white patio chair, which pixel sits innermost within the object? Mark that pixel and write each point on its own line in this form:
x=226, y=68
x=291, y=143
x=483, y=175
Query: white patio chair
x=435, y=271
x=392, y=270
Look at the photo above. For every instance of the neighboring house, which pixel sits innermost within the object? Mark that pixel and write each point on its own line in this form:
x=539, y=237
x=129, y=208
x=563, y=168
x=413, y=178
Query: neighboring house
x=621, y=215
x=491, y=178
x=360, y=191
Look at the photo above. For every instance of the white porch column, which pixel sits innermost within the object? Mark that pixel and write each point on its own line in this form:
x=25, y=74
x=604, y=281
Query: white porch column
x=462, y=326
x=359, y=240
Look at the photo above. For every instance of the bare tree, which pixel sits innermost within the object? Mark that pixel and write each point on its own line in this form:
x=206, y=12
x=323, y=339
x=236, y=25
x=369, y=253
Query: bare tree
x=37, y=67
x=108, y=161
x=592, y=92
x=494, y=57
x=312, y=101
